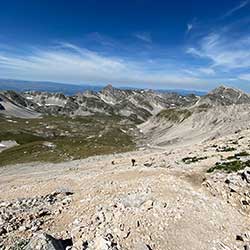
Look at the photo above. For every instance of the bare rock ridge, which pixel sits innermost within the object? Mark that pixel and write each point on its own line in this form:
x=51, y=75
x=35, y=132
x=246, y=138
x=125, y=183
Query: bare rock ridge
x=225, y=96
x=135, y=104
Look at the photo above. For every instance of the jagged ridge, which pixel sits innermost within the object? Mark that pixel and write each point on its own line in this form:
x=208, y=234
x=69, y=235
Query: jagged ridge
x=136, y=104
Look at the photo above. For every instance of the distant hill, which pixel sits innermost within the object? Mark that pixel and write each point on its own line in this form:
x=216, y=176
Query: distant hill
x=183, y=91
x=71, y=89
x=52, y=87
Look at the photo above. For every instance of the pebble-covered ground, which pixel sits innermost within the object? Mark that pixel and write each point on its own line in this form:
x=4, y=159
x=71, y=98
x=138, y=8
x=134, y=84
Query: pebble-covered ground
x=170, y=199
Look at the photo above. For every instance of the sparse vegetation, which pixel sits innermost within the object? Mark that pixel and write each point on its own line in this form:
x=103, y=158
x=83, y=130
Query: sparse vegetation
x=230, y=166
x=189, y=160
x=241, y=154
x=237, y=155
x=202, y=107
x=231, y=157
x=73, y=138
x=174, y=115
x=20, y=244
x=20, y=137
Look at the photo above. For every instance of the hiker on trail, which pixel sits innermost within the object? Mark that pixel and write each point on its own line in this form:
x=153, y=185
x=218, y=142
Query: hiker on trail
x=133, y=162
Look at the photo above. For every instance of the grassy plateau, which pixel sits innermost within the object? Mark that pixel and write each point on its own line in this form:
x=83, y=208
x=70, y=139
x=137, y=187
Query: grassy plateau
x=56, y=139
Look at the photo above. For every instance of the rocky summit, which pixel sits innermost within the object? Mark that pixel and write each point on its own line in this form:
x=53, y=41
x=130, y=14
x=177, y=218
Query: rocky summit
x=125, y=169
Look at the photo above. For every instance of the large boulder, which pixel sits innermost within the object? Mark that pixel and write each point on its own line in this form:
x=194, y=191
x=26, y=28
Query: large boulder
x=47, y=242
x=246, y=174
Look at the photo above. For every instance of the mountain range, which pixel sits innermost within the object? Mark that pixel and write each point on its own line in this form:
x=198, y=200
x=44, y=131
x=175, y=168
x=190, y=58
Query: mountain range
x=134, y=104
x=70, y=89
x=163, y=118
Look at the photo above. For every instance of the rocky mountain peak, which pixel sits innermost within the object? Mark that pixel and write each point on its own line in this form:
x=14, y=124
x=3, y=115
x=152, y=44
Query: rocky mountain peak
x=224, y=89
x=114, y=95
x=226, y=96
x=108, y=88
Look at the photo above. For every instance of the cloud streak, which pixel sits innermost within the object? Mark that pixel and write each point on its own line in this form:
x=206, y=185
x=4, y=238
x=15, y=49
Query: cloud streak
x=189, y=27
x=223, y=52
x=67, y=62
x=235, y=9
x=144, y=36
x=245, y=77
x=212, y=59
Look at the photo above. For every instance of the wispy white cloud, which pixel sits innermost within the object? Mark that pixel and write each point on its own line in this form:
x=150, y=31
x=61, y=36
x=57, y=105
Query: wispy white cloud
x=245, y=77
x=207, y=71
x=236, y=8
x=224, y=52
x=189, y=27
x=67, y=62
x=144, y=36
x=104, y=40
x=200, y=72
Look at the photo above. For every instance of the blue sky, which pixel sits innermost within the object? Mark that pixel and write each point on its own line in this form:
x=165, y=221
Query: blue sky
x=138, y=43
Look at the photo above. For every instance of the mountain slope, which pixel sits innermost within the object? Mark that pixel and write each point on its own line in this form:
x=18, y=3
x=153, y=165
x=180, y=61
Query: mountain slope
x=161, y=203
x=220, y=112
x=198, y=126
x=13, y=104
